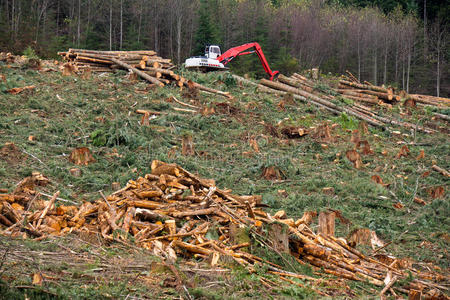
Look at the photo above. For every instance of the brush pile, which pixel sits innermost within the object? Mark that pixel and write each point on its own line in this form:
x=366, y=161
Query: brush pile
x=174, y=213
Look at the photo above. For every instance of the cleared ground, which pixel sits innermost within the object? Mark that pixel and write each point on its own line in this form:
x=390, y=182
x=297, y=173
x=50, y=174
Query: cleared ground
x=64, y=113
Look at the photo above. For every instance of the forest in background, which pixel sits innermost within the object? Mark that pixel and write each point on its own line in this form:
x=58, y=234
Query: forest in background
x=402, y=43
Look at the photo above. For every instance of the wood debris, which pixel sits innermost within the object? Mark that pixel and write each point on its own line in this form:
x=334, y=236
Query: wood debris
x=18, y=90
x=81, y=156
x=175, y=214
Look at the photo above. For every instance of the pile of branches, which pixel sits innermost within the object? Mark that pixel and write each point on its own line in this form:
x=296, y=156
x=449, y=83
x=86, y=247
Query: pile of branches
x=306, y=90
x=175, y=213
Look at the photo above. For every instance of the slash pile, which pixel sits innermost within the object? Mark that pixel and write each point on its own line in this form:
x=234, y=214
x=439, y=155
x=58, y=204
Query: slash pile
x=174, y=213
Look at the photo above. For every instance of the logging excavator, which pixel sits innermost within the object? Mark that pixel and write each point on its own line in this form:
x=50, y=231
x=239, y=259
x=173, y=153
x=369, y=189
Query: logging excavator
x=215, y=60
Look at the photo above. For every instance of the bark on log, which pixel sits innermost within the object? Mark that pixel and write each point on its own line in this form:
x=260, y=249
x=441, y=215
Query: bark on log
x=207, y=89
x=361, y=99
x=304, y=79
x=142, y=52
x=364, y=86
x=192, y=248
x=307, y=95
x=140, y=73
x=295, y=83
x=244, y=81
x=440, y=170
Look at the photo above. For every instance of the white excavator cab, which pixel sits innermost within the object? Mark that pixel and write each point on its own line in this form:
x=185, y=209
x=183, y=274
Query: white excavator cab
x=212, y=51
x=208, y=62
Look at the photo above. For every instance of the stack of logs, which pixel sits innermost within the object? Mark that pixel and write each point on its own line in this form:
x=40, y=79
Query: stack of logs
x=364, y=98
x=7, y=57
x=350, y=87
x=144, y=63
x=175, y=213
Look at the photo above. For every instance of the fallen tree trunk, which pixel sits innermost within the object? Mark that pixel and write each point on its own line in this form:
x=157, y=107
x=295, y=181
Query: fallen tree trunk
x=441, y=116
x=295, y=83
x=364, y=86
x=307, y=95
x=207, y=89
x=361, y=99
x=304, y=79
x=142, y=52
x=244, y=81
x=140, y=73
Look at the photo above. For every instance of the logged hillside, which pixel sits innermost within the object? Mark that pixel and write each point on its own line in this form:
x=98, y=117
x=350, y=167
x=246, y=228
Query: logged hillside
x=293, y=154
x=402, y=43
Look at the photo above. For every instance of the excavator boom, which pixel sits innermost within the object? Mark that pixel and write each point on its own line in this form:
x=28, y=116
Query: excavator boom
x=230, y=54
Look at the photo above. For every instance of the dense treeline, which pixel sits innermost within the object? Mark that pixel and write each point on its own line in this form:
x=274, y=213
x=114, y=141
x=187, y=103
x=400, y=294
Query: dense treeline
x=404, y=43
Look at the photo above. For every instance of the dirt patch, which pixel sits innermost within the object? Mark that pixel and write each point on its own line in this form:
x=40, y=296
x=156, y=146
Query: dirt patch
x=227, y=109
x=11, y=154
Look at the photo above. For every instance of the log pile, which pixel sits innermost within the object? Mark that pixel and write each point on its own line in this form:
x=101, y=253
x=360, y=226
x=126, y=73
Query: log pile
x=175, y=213
x=144, y=63
x=100, y=61
x=305, y=90
x=350, y=87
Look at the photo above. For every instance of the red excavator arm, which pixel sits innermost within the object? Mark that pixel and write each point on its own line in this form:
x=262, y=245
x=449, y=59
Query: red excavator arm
x=228, y=55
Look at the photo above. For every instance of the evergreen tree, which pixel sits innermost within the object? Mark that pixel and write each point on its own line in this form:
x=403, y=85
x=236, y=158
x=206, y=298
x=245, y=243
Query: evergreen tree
x=207, y=31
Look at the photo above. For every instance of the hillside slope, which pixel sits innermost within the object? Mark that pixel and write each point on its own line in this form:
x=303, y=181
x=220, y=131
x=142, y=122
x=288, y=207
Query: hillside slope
x=245, y=144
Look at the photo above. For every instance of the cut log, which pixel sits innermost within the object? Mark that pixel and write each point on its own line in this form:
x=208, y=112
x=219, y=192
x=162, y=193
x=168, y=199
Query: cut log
x=207, y=89
x=294, y=83
x=361, y=99
x=141, y=52
x=326, y=222
x=140, y=73
x=192, y=248
x=45, y=211
x=440, y=170
x=244, y=81
x=364, y=86
x=352, y=77
x=287, y=88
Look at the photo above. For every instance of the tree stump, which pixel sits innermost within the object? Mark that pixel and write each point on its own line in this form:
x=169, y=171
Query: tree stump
x=115, y=186
x=315, y=73
x=81, y=156
x=239, y=235
x=75, y=172
x=187, y=146
x=278, y=234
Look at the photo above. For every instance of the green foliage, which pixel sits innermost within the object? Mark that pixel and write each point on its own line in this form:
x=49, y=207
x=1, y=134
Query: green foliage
x=99, y=138
x=346, y=121
x=30, y=53
x=228, y=79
